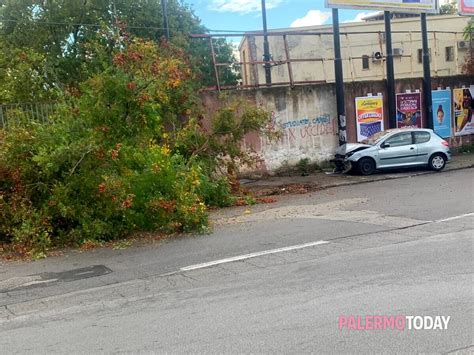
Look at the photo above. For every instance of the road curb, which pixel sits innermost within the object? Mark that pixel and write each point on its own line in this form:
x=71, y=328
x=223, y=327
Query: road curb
x=314, y=187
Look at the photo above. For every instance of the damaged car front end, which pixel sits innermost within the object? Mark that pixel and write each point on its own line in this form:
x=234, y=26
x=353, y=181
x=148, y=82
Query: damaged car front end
x=346, y=156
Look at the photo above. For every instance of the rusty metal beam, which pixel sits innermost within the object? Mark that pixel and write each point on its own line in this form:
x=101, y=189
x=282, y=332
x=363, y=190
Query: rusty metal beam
x=301, y=33
x=288, y=61
x=214, y=62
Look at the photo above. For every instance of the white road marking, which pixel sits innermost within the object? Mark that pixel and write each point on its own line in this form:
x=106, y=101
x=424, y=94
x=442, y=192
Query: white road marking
x=455, y=217
x=38, y=282
x=252, y=255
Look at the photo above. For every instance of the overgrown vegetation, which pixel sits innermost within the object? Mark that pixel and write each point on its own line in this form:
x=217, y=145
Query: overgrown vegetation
x=466, y=148
x=469, y=36
x=50, y=46
x=127, y=151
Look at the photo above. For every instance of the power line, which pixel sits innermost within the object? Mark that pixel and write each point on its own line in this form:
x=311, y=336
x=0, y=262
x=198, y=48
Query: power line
x=68, y=24
x=96, y=25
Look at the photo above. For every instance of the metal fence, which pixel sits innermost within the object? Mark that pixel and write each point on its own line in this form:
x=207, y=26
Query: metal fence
x=306, y=57
x=13, y=114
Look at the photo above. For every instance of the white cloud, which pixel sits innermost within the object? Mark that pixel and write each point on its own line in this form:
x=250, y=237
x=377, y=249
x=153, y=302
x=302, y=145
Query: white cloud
x=361, y=15
x=242, y=6
x=312, y=18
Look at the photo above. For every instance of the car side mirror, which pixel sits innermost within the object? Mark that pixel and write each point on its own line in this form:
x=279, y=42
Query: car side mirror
x=385, y=145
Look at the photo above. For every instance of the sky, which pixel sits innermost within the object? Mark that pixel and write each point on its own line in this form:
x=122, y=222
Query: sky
x=245, y=15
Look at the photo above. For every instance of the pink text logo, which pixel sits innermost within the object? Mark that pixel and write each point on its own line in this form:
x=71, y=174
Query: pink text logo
x=399, y=322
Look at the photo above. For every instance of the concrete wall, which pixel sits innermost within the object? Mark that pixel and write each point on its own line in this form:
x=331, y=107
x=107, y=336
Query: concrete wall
x=357, y=44
x=306, y=117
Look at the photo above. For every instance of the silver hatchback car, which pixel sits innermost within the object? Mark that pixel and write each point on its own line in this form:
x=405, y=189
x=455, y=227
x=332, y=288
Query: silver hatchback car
x=395, y=148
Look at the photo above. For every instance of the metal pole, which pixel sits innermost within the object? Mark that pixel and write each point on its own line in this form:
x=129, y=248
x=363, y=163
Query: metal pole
x=116, y=27
x=392, y=103
x=426, y=74
x=471, y=40
x=164, y=8
x=288, y=60
x=341, y=109
x=266, y=47
x=214, y=62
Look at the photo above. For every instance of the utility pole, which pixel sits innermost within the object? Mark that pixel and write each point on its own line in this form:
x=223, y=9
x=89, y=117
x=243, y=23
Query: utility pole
x=116, y=26
x=266, y=47
x=426, y=73
x=340, y=104
x=392, y=104
x=164, y=9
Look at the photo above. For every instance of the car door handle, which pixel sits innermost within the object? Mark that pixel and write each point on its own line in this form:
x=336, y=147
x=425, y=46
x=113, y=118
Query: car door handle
x=412, y=148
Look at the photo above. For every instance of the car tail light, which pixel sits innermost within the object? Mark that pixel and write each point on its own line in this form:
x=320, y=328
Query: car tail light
x=446, y=144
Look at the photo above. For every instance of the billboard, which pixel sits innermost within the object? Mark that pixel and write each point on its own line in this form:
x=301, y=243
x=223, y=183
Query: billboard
x=418, y=6
x=466, y=7
x=369, y=116
x=442, y=122
x=409, y=110
x=463, y=111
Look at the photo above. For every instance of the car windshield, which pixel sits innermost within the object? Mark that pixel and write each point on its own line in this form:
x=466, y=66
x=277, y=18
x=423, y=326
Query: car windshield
x=373, y=140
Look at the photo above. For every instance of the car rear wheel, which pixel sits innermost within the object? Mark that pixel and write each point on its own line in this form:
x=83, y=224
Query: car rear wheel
x=437, y=162
x=366, y=166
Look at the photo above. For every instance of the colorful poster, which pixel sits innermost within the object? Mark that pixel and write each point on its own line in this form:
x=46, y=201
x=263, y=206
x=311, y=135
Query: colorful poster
x=369, y=116
x=466, y=7
x=463, y=111
x=442, y=122
x=417, y=6
x=409, y=110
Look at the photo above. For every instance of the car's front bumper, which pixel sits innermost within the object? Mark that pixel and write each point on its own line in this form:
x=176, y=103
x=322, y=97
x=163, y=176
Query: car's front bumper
x=342, y=163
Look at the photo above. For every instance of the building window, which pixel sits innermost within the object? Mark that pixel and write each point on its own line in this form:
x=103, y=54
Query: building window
x=420, y=56
x=450, y=54
x=365, y=62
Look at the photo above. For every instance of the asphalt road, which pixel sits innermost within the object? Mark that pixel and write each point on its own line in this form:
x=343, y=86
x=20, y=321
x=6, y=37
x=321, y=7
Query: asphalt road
x=390, y=248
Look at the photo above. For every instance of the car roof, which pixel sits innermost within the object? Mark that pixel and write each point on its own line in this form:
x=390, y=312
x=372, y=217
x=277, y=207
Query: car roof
x=396, y=130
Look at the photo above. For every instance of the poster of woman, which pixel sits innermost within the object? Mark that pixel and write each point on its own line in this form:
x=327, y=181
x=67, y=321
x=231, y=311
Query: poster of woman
x=442, y=122
x=463, y=104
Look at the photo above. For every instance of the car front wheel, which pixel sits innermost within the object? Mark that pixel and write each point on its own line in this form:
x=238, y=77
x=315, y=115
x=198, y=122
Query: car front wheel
x=437, y=162
x=366, y=166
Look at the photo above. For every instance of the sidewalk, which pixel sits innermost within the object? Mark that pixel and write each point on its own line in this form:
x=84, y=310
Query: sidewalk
x=325, y=179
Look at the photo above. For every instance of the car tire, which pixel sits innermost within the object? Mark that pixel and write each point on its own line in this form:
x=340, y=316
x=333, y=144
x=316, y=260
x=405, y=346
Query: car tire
x=437, y=162
x=366, y=166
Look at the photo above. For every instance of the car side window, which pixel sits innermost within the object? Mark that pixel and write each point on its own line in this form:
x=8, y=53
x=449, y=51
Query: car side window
x=400, y=139
x=422, y=137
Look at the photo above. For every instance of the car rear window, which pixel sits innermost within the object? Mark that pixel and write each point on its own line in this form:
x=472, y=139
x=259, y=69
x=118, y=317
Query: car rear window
x=422, y=137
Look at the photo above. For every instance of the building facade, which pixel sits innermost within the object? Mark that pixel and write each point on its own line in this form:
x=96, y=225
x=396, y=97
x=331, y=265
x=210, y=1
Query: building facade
x=311, y=51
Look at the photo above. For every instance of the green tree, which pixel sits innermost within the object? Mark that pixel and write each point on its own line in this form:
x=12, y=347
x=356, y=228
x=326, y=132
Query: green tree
x=128, y=153
x=67, y=33
x=450, y=8
x=469, y=36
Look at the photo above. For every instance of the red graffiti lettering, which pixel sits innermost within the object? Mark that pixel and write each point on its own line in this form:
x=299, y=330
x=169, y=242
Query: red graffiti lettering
x=291, y=133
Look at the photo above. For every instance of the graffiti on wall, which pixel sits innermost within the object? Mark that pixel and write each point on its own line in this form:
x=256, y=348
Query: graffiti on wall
x=307, y=128
x=300, y=129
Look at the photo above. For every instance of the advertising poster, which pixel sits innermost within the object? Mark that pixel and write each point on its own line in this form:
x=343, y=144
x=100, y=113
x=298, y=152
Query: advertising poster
x=466, y=7
x=442, y=123
x=369, y=116
x=417, y=6
x=463, y=111
x=409, y=110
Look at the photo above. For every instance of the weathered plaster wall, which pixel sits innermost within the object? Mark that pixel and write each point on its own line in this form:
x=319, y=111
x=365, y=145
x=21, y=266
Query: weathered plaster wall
x=307, y=119
x=306, y=116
